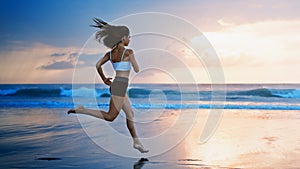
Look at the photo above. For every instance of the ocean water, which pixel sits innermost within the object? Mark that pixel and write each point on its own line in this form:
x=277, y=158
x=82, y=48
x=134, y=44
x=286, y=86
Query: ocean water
x=154, y=96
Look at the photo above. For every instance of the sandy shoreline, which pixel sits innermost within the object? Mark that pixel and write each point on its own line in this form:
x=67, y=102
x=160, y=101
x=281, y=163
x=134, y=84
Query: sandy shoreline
x=244, y=139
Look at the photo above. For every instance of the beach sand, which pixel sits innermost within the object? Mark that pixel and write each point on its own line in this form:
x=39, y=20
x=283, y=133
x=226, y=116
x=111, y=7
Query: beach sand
x=49, y=138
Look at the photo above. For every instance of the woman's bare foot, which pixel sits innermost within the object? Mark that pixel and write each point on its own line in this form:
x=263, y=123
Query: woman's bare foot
x=141, y=148
x=78, y=108
x=138, y=145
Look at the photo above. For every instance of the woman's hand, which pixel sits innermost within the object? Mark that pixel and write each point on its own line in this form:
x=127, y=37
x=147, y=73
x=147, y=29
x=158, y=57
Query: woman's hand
x=107, y=81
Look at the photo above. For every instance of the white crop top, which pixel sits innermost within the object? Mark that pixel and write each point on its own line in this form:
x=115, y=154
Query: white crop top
x=121, y=65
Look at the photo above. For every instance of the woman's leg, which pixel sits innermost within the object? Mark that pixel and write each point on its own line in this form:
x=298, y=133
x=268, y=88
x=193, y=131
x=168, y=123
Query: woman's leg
x=130, y=125
x=115, y=105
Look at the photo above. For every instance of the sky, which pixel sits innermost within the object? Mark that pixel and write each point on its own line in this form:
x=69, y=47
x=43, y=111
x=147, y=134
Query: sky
x=255, y=41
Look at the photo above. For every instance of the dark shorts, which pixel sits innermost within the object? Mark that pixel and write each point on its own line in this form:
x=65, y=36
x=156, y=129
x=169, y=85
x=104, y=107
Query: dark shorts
x=119, y=86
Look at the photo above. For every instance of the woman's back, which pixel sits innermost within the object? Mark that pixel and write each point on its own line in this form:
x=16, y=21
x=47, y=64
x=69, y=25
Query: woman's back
x=122, y=60
x=121, y=64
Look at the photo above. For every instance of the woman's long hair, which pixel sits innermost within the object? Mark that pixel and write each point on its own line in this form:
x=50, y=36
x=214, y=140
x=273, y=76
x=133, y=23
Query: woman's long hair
x=109, y=34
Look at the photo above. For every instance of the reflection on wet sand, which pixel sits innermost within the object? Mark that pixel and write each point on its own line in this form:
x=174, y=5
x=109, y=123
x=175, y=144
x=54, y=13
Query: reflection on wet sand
x=249, y=141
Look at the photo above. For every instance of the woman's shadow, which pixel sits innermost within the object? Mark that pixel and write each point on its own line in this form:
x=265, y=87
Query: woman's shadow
x=140, y=163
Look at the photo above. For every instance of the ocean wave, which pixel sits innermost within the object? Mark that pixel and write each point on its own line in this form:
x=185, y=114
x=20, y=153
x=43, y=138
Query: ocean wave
x=261, y=92
x=287, y=93
x=84, y=92
x=33, y=92
x=58, y=92
x=266, y=92
x=145, y=93
x=138, y=93
x=4, y=92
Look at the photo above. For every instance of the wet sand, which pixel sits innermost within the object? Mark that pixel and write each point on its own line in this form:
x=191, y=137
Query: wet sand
x=49, y=138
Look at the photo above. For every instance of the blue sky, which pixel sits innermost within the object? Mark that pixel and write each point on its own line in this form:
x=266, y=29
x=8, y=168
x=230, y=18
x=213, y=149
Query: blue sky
x=46, y=35
x=58, y=22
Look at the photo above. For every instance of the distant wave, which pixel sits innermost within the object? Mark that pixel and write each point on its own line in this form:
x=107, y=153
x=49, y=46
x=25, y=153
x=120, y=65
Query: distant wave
x=5, y=92
x=34, y=92
x=287, y=93
x=265, y=92
x=83, y=92
x=138, y=93
x=59, y=92
x=144, y=93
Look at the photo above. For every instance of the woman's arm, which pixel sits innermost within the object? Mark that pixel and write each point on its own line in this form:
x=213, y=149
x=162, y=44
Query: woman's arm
x=133, y=61
x=100, y=71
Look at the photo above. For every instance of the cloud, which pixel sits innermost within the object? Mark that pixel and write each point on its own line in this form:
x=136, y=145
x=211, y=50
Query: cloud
x=224, y=23
x=58, y=54
x=67, y=62
x=267, y=41
x=36, y=65
x=242, y=60
x=74, y=54
x=206, y=15
x=58, y=65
